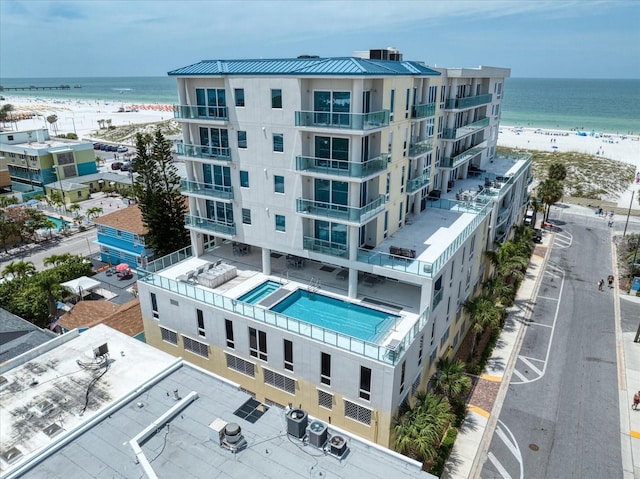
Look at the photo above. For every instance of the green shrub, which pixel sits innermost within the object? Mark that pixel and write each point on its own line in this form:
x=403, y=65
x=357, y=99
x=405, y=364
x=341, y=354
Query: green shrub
x=443, y=452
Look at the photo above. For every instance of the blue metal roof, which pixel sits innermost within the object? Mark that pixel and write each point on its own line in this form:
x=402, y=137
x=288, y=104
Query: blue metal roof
x=347, y=66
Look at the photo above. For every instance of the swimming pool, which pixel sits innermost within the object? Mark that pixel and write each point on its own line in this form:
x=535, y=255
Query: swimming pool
x=343, y=317
x=58, y=222
x=259, y=292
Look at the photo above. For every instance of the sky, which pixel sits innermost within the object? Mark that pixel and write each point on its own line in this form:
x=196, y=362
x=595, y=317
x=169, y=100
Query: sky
x=536, y=39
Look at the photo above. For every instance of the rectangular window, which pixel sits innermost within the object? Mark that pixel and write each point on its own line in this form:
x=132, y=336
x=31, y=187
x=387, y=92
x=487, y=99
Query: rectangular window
x=276, y=98
x=365, y=383
x=421, y=350
x=325, y=399
x=325, y=368
x=246, y=216
x=288, y=355
x=244, y=179
x=240, y=365
x=258, y=344
x=154, y=306
x=242, y=139
x=239, y=94
x=392, y=104
x=200, y=316
x=280, y=223
x=406, y=103
x=278, y=183
x=279, y=381
x=278, y=142
x=403, y=370
x=228, y=326
x=168, y=336
x=357, y=413
x=195, y=347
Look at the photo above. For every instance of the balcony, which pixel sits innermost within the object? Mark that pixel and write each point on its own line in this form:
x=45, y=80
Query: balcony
x=416, y=184
x=205, y=224
x=437, y=297
x=420, y=147
x=343, y=121
x=468, y=102
x=188, y=112
x=204, y=152
x=325, y=247
x=350, y=169
x=341, y=212
x=461, y=132
x=423, y=111
x=455, y=161
x=207, y=189
x=503, y=215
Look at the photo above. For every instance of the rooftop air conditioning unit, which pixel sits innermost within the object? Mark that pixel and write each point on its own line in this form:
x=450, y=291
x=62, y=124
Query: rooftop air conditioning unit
x=337, y=445
x=317, y=432
x=216, y=431
x=297, y=421
x=233, y=439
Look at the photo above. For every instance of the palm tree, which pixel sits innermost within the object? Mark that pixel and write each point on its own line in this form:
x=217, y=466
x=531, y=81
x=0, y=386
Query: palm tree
x=19, y=269
x=53, y=121
x=94, y=212
x=74, y=208
x=5, y=113
x=485, y=314
x=550, y=191
x=56, y=259
x=49, y=225
x=49, y=283
x=450, y=379
x=557, y=171
x=499, y=290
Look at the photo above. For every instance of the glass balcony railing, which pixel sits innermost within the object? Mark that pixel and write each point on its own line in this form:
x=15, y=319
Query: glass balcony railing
x=423, y=111
x=325, y=247
x=468, y=102
x=204, y=152
x=207, y=189
x=199, y=222
x=424, y=268
x=188, y=112
x=461, y=132
x=350, y=169
x=437, y=297
x=341, y=212
x=377, y=352
x=417, y=183
x=455, y=161
x=348, y=121
x=420, y=147
x=503, y=215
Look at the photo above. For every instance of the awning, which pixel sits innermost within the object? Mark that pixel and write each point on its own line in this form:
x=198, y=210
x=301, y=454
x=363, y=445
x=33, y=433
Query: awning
x=81, y=285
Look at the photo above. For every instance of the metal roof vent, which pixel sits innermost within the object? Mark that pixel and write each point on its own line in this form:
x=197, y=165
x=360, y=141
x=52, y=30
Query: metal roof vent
x=11, y=455
x=338, y=446
x=233, y=439
x=297, y=421
x=44, y=407
x=52, y=430
x=317, y=434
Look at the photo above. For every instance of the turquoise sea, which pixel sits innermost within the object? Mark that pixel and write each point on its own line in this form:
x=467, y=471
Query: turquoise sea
x=611, y=106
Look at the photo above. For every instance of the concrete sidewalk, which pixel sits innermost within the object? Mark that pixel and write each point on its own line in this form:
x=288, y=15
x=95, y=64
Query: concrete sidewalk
x=491, y=388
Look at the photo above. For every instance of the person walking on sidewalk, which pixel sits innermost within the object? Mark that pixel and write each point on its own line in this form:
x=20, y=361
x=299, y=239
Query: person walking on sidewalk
x=600, y=284
x=636, y=401
x=610, y=280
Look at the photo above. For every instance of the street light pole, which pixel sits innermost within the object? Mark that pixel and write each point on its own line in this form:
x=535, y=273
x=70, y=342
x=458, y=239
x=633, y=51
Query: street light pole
x=628, y=213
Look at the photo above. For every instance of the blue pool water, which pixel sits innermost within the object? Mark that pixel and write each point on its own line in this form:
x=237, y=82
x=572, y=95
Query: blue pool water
x=256, y=294
x=341, y=316
x=57, y=221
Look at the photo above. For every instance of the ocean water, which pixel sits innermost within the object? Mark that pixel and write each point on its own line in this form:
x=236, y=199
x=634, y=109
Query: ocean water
x=611, y=106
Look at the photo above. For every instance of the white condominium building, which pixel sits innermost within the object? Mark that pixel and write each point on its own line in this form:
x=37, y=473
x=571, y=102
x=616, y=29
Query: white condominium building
x=339, y=209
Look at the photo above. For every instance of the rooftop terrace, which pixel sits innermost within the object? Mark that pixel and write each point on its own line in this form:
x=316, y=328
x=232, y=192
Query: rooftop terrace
x=150, y=416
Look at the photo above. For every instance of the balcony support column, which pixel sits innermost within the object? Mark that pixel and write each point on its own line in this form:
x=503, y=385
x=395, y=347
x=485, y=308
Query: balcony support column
x=353, y=256
x=266, y=261
x=198, y=243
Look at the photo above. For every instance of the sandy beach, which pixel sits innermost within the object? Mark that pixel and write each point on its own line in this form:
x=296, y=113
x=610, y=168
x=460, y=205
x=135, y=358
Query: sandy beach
x=614, y=147
x=81, y=116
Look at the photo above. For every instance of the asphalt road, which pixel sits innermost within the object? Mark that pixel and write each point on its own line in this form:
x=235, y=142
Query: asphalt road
x=560, y=417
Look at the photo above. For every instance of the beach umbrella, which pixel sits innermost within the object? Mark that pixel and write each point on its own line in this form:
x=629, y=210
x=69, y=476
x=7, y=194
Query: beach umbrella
x=122, y=268
x=554, y=147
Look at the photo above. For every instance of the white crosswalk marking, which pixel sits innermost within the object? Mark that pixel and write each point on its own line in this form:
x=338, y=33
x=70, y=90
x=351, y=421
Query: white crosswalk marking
x=530, y=364
x=503, y=472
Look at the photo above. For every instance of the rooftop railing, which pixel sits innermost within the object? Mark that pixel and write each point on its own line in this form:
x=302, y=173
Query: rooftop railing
x=207, y=224
x=341, y=212
x=189, y=112
x=349, y=121
x=207, y=189
x=467, y=102
x=351, y=169
x=388, y=355
x=424, y=268
x=204, y=152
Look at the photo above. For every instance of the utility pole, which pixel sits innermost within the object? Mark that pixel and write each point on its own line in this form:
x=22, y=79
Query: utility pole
x=628, y=214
